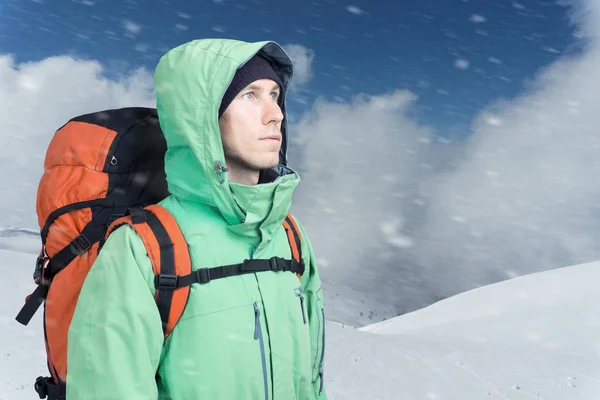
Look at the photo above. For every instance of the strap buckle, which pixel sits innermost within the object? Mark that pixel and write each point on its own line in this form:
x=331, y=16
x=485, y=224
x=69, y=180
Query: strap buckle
x=40, y=265
x=80, y=245
x=41, y=386
x=276, y=264
x=297, y=267
x=166, y=282
x=203, y=275
x=246, y=265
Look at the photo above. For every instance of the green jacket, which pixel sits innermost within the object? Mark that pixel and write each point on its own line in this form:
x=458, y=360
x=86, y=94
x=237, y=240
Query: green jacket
x=242, y=337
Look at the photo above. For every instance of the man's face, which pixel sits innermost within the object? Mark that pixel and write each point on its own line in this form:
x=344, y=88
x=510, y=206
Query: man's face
x=251, y=127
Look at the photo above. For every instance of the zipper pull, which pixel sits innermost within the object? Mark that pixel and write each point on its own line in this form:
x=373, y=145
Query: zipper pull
x=321, y=377
x=302, y=305
x=256, y=321
x=300, y=294
x=220, y=169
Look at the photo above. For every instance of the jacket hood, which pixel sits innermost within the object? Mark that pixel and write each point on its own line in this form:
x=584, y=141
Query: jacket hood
x=190, y=81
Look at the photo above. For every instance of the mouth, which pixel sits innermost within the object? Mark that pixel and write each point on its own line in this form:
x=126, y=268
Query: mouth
x=276, y=138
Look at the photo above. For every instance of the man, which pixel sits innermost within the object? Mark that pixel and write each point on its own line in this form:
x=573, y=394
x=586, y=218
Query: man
x=254, y=336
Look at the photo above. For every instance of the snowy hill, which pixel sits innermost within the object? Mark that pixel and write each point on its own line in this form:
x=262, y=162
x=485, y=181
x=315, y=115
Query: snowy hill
x=533, y=337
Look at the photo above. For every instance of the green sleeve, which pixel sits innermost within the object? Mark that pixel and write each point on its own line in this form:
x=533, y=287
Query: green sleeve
x=116, y=338
x=313, y=292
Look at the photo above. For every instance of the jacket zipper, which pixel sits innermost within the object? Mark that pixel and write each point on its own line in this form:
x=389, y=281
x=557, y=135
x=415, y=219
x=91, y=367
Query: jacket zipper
x=259, y=336
x=299, y=293
x=322, y=353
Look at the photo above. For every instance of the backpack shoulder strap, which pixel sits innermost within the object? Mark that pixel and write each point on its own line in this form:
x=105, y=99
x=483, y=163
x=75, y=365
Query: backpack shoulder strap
x=169, y=254
x=294, y=238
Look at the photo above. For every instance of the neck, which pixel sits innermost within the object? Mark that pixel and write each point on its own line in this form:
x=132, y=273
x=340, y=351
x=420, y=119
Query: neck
x=240, y=174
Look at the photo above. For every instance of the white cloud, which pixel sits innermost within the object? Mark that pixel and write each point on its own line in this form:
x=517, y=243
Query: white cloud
x=302, y=58
x=181, y=27
x=520, y=195
x=526, y=184
x=219, y=29
x=184, y=15
x=461, y=63
x=354, y=10
x=357, y=157
x=36, y=99
x=478, y=19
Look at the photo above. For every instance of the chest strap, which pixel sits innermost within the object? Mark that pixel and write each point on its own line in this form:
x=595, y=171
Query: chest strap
x=205, y=275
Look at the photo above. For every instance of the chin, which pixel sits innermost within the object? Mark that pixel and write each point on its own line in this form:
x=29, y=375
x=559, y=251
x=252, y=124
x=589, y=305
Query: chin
x=270, y=165
x=263, y=164
x=270, y=162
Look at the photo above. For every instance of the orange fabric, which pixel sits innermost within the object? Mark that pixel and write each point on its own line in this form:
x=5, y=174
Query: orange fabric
x=60, y=307
x=66, y=228
x=292, y=241
x=80, y=144
x=296, y=228
x=183, y=263
x=72, y=173
x=64, y=185
x=73, y=167
x=295, y=246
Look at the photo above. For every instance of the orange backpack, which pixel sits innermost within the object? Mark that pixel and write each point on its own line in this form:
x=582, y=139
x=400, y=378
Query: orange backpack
x=104, y=170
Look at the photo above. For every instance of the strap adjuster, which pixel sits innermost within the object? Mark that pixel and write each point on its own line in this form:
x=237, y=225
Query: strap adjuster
x=40, y=264
x=203, y=275
x=80, y=245
x=246, y=265
x=276, y=264
x=166, y=282
x=297, y=267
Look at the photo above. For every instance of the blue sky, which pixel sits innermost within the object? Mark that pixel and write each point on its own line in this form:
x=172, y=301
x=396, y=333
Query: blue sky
x=457, y=56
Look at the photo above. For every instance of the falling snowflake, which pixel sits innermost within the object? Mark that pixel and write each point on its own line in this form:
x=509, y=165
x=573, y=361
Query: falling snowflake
x=354, y=10
x=132, y=27
x=461, y=63
x=493, y=120
x=478, y=19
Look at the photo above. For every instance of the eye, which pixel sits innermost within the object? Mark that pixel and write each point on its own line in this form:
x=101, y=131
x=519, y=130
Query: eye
x=274, y=95
x=248, y=95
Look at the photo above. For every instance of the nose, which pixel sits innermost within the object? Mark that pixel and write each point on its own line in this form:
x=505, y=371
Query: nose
x=272, y=113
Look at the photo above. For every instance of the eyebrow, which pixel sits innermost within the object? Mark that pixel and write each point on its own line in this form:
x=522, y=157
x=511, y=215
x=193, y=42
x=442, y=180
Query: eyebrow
x=254, y=86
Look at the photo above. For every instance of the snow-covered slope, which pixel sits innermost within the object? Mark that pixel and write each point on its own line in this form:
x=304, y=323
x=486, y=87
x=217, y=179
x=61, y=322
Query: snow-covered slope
x=533, y=337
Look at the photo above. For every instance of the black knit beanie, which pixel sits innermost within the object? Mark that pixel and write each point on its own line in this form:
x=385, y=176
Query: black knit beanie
x=256, y=68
